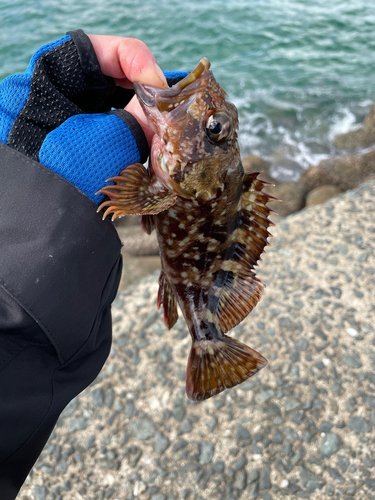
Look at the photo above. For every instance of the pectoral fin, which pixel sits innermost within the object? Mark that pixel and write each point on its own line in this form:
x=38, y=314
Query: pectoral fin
x=167, y=297
x=134, y=193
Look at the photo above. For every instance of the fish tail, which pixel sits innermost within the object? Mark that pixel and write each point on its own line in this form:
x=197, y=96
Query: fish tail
x=218, y=364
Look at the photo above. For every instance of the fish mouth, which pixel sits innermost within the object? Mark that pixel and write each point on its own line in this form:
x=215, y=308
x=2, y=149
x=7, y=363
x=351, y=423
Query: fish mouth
x=167, y=99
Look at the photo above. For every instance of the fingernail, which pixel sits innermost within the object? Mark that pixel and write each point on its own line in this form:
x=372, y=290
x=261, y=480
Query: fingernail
x=161, y=76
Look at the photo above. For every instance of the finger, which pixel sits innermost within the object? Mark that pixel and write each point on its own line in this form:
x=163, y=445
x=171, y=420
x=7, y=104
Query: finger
x=127, y=60
x=135, y=109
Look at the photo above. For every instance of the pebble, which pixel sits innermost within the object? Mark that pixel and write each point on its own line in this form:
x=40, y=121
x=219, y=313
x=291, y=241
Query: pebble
x=351, y=361
x=265, y=478
x=161, y=443
x=207, y=452
x=39, y=492
x=142, y=428
x=311, y=481
x=359, y=424
x=242, y=434
x=330, y=445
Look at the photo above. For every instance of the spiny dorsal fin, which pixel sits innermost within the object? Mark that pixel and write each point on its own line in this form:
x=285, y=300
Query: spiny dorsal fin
x=218, y=364
x=236, y=290
x=134, y=193
x=167, y=297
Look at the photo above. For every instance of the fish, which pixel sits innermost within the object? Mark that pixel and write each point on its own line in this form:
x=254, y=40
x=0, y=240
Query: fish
x=211, y=221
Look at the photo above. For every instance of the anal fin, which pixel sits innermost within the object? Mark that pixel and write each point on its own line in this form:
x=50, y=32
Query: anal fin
x=167, y=298
x=135, y=193
x=147, y=223
x=218, y=364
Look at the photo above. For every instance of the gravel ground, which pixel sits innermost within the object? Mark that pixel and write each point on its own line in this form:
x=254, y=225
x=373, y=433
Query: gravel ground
x=304, y=427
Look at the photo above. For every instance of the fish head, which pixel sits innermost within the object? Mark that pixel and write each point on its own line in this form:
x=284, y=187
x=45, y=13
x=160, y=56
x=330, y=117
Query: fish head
x=195, y=144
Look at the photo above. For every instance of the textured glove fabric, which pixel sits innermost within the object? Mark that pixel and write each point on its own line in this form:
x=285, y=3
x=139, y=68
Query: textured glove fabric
x=59, y=113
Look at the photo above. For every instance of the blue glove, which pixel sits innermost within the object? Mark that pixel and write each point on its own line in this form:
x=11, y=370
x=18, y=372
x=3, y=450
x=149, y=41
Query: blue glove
x=64, y=113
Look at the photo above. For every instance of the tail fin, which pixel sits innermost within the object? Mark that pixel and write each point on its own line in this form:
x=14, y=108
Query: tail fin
x=218, y=364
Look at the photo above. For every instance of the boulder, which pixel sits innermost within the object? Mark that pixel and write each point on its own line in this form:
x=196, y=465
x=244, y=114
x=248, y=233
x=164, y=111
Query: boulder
x=254, y=163
x=321, y=194
x=136, y=242
x=360, y=138
x=346, y=172
x=291, y=194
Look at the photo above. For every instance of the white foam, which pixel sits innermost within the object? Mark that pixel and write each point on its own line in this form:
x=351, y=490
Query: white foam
x=345, y=122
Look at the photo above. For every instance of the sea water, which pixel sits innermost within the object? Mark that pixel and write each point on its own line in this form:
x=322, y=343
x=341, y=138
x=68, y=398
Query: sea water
x=299, y=71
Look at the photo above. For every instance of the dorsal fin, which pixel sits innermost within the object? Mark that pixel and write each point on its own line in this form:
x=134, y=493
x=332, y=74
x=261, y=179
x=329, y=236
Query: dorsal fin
x=236, y=290
x=167, y=297
x=135, y=193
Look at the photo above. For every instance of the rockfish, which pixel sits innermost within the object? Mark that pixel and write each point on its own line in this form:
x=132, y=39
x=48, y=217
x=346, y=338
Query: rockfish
x=211, y=221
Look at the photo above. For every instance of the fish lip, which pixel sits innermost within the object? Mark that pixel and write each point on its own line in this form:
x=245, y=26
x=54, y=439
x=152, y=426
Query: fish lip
x=162, y=98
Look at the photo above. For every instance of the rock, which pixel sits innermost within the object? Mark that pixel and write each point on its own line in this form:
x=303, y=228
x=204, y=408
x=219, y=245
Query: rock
x=321, y=194
x=345, y=172
x=39, y=492
x=142, y=428
x=97, y=396
x=359, y=424
x=351, y=361
x=161, y=443
x=240, y=480
x=136, y=242
x=265, y=479
x=77, y=424
x=360, y=138
x=311, y=481
x=330, y=445
x=292, y=196
x=207, y=453
x=242, y=433
x=254, y=163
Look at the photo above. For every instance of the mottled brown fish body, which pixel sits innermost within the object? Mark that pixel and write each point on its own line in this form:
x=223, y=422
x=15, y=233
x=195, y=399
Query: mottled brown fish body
x=211, y=221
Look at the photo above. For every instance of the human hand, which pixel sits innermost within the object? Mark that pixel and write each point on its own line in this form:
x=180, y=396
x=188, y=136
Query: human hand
x=129, y=60
x=66, y=110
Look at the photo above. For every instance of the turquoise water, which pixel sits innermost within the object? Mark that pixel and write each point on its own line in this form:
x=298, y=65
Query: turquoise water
x=299, y=72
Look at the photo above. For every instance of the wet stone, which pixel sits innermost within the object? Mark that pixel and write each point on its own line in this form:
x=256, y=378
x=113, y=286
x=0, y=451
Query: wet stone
x=359, y=424
x=330, y=445
x=207, y=453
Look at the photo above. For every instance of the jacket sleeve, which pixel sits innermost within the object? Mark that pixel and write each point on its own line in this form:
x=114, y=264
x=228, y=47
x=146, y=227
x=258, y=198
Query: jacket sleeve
x=60, y=266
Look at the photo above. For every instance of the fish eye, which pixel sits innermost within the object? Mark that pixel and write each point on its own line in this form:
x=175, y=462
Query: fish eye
x=218, y=127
